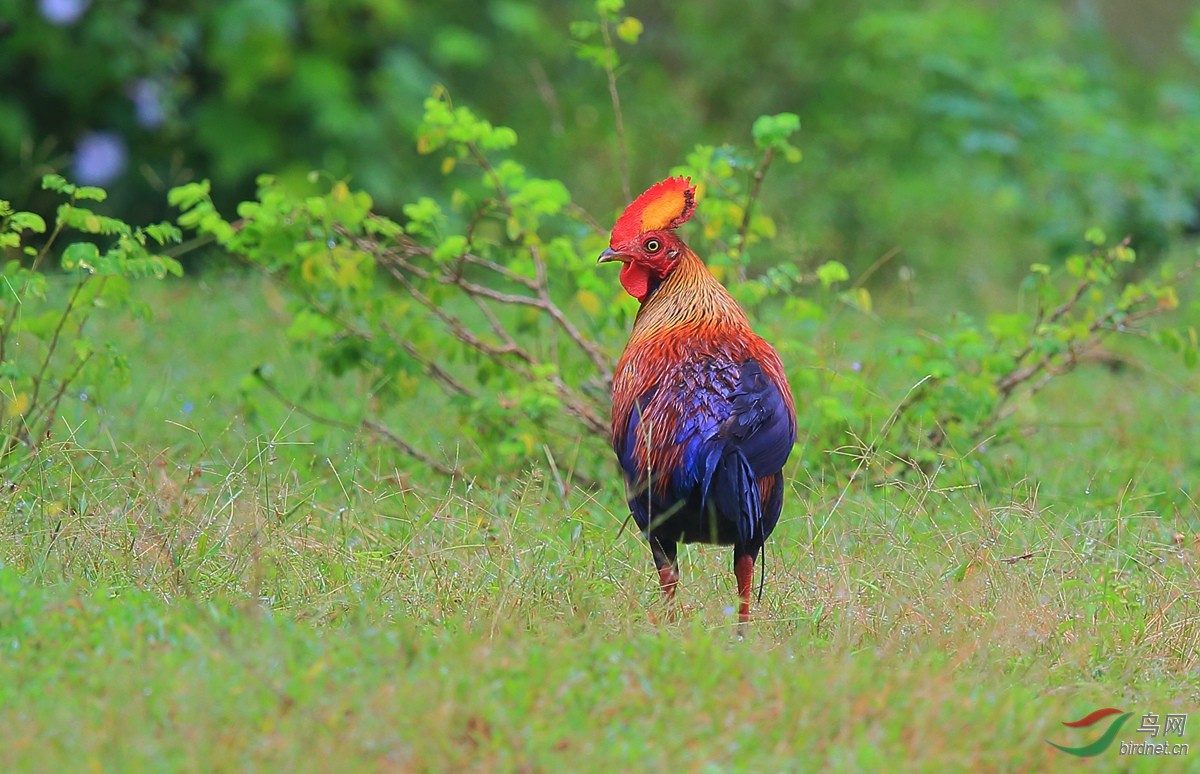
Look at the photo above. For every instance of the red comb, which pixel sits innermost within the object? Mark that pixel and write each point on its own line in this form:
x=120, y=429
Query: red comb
x=664, y=205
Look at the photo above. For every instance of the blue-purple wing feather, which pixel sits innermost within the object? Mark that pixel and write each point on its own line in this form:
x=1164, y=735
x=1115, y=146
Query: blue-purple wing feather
x=760, y=424
x=756, y=439
x=734, y=428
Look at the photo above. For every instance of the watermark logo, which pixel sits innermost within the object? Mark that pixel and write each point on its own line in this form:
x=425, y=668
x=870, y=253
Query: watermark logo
x=1171, y=724
x=1102, y=743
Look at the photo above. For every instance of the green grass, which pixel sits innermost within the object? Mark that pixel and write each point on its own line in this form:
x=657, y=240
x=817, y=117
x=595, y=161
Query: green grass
x=229, y=589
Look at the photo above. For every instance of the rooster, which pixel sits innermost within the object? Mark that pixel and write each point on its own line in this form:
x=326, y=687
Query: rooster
x=702, y=419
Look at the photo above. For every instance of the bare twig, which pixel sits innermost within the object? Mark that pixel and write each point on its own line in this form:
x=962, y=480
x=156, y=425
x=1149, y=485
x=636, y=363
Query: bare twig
x=548, y=96
x=1096, y=331
x=52, y=405
x=369, y=425
x=434, y=370
x=1030, y=377
x=586, y=217
x=509, y=354
x=615, y=97
x=498, y=327
x=384, y=431
x=482, y=160
x=593, y=352
x=460, y=330
x=503, y=271
x=1007, y=383
x=393, y=261
x=874, y=267
x=35, y=408
x=755, y=189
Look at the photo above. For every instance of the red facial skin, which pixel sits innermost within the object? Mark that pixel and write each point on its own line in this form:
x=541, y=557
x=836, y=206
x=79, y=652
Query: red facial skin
x=647, y=259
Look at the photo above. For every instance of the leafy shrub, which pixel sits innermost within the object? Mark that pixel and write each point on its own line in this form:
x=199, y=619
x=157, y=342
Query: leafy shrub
x=969, y=377
x=45, y=349
x=500, y=305
x=486, y=312
x=482, y=308
x=937, y=128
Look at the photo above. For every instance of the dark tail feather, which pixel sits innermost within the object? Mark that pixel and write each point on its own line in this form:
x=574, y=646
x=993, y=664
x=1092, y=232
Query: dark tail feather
x=735, y=490
x=762, y=570
x=770, y=514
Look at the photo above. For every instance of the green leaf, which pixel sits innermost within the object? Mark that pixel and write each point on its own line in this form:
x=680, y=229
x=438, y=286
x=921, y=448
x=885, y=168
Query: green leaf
x=80, y=255
x=162, y=233
x=629, y=30
x=27, y=221
x=859, y=298
x=1008, y=327
x=609, y=8
x=450, y=248
x=582, y=30
x=830, y=272
x=83, y=348
x=425, y=217
x=85, y=220
x=499, y=138
x=187, y=196
x=58, y=184
x=774, y=131
x=347, y=208
x=91, y=192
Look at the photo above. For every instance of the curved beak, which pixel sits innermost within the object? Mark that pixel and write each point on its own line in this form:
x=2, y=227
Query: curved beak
x=610, y=255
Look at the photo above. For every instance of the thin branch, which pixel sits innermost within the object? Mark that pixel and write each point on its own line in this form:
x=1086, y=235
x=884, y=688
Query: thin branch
x=575, y=404
x=54, y=402
x=503, y=271
x=597, y=357
x=586, y=217
x=1008, y=382
x=369, y=425
x=548, y=96
x=459, y=330
x=482, y=160
x=497, y=326
x=1056, y=364
x=434, y=370
x=879, y=264
x=399, y=262
x=1062, y=309
x=751, y=198
x=542, y=302
x=615, y=97
x=383, y=430
x=482, y=291
x=54, y=338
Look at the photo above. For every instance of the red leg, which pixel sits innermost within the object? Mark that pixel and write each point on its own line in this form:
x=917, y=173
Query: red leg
x=668, y=579
x=668, y=571
x=743, y=570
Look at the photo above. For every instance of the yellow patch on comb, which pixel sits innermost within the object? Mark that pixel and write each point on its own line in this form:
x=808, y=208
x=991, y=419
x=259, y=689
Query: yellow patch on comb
x=661, y=212
x=664, y=205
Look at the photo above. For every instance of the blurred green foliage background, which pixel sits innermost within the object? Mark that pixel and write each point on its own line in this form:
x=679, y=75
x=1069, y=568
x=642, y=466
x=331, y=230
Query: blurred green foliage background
x=977, y=136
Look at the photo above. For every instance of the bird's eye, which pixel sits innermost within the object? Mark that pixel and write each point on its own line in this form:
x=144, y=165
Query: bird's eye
x=652, y=245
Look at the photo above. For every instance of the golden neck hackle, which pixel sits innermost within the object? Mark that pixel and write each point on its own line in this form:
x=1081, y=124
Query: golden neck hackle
x=689, y=297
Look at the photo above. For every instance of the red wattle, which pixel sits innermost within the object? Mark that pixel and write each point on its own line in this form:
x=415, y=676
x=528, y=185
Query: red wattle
x=636, y=280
